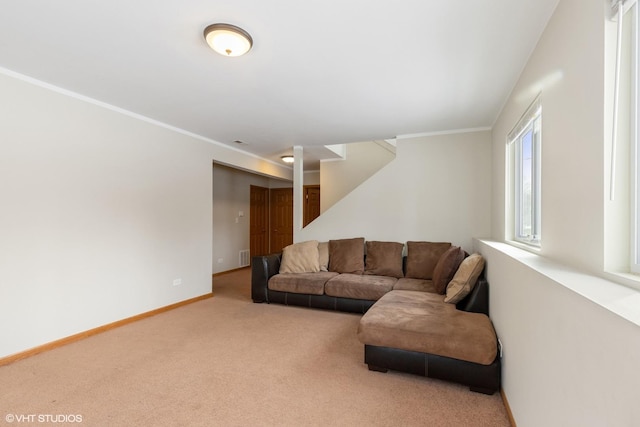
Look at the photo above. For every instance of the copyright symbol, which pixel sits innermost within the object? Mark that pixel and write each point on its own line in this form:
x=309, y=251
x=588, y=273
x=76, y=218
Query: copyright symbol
x=9, y=418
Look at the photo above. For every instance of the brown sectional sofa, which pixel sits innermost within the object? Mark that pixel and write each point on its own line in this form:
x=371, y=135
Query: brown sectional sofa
x=425, y=312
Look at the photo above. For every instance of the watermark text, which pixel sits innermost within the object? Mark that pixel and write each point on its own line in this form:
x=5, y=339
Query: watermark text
x=43, y=418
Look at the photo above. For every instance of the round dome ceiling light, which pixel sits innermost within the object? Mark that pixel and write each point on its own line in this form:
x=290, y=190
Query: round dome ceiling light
x=227, y=39
x=287, y=159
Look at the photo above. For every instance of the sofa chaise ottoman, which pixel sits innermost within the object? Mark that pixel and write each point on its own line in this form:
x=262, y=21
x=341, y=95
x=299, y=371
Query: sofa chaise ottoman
x=417, y=332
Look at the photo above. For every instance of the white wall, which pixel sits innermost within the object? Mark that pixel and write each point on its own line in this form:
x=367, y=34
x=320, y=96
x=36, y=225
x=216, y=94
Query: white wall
x=436, y=189
x=567, y=68
x=101, y=211
x=339, y=177
x=312, y=177
x=569, y=360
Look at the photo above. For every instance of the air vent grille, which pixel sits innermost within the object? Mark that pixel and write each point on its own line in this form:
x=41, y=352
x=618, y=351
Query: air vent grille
x=244, y=258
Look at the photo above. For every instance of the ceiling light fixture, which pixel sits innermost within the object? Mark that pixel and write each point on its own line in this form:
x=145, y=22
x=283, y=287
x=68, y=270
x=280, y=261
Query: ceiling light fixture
x=287, y=159
x=227, y=39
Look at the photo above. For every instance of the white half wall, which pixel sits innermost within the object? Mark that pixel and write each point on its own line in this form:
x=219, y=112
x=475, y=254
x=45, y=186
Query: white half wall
x=436, y=189
x=567, y=361
x=101, y=212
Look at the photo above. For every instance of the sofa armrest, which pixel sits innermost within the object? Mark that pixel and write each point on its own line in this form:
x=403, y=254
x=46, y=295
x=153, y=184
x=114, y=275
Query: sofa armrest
x=262, y=268
x=478, y=299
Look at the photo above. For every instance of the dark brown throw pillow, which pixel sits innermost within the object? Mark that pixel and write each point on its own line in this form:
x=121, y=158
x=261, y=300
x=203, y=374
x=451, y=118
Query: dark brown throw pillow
x=446, y=268
x=347, y=255
x=384, y=259
x=422, y=258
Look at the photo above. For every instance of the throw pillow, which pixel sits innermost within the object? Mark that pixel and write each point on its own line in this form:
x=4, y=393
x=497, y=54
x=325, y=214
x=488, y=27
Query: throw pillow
x=384, y=259
x=300, y=258
x=422, y=258
x=465, y=278
x=446, y=268
x=323, y=252
x=347, y=255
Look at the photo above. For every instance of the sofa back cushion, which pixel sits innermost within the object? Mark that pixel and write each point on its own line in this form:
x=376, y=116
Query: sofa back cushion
x=300, y=258
x=384, y=259
x=347, y=255
x=465, y=278
x=446, y=268
x=422, y=258
x=323, y=253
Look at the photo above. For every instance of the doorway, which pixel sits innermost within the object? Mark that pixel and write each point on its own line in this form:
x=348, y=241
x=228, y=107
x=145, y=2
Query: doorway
x=271, y=217
x=281, y=218
x=258, y=221
x=311, y=203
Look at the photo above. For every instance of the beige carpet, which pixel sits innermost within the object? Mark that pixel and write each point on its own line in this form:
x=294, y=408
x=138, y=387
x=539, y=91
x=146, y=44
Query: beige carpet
x=226, y=361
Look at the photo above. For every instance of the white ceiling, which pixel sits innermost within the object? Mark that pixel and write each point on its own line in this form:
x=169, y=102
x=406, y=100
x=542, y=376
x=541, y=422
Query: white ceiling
x=320, y=72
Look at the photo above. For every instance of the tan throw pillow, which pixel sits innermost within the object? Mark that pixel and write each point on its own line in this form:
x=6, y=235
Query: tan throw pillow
x=384, y=259
x=422, y=258
x=347, y=255
x=446, y=268
x=300, y=258
x=465, y=278
x=323, y=252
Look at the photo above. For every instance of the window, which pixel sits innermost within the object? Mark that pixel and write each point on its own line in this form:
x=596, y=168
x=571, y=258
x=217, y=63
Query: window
x=621, y=231
x=524, y=142
x=634, y=120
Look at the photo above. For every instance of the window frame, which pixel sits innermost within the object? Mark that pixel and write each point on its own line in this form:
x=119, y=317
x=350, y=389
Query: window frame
x=530, y=122
x=634, y=262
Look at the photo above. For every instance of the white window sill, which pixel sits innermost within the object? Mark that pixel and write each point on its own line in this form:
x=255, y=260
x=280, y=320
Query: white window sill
x=627, y=279
x=608, y=292
x=527, y=247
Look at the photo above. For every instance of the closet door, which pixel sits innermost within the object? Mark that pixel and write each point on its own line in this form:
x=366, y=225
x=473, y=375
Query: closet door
x=259, y=221
x=311, y=203
x=281, y=234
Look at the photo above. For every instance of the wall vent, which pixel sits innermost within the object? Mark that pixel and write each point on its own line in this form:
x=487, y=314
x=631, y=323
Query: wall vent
x=244, y=258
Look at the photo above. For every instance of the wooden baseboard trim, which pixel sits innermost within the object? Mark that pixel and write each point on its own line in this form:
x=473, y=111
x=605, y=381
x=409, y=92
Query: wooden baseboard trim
x=512, y=420
x=222, y=273
x=82, y=335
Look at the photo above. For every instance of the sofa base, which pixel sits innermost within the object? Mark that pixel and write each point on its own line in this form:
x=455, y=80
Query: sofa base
x=324, y=302
x=480, y=378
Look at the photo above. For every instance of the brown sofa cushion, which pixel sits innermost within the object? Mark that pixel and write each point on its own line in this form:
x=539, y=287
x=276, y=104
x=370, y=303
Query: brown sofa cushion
x=301, y=283
x=465, y=278
x=300, y=258
x=359, y=286
x=446, y=267
x=408, y=284
x=422, y=258
x=384, y=259
x=347, y=255
x=323, y=252
x=420, y=321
